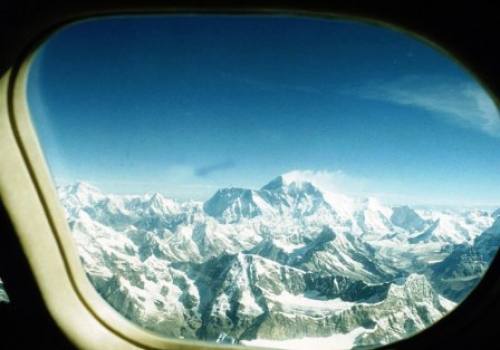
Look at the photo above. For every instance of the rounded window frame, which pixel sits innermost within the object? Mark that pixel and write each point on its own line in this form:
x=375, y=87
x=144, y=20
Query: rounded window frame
x=32, y=191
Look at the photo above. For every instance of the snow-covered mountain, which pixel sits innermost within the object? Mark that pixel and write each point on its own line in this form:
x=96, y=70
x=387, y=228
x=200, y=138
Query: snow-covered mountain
x=277, y=266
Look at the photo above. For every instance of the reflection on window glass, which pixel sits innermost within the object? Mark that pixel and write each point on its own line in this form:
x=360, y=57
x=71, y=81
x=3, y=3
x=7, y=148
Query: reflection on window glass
x=4, y=298
x=269, y=181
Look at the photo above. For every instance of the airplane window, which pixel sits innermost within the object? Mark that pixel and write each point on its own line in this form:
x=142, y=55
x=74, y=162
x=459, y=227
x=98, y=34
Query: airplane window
x=271, y=181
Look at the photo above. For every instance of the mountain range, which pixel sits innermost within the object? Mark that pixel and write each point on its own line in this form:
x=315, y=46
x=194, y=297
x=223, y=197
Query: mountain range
x=282, y=266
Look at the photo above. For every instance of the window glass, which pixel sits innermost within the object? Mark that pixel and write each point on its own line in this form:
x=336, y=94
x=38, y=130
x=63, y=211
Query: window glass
x=268, y=180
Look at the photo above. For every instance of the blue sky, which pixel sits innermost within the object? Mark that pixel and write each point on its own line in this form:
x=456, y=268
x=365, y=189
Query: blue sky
x=186, y=105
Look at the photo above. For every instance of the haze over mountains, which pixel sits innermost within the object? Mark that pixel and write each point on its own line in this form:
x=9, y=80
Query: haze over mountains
x=280, y=266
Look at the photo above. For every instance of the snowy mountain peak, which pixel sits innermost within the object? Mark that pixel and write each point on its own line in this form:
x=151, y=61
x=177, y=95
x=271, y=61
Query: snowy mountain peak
x=286, y=195
x=158, y=200
x=231, y=204
x=82, y=188
x=407, y=218
x=286, y=181
x=81, y=193
x=296, y=184
x=158, y=203
x=372, y=203
x=374, y=215
x=296, y=177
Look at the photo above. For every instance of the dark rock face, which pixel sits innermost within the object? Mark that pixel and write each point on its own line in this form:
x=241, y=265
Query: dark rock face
x=457, y=275
x=489, y=241
x=331, y=287
x=247, y=296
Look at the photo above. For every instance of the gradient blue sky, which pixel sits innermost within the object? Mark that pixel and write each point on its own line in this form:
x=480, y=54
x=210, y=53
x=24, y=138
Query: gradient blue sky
x=186, y=105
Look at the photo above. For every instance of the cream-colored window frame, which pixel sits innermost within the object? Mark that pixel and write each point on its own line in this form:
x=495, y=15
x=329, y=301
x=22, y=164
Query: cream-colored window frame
x=32, y=203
